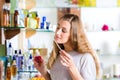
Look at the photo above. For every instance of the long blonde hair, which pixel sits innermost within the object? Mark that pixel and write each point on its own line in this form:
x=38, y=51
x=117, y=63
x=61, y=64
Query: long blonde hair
x=79, y=41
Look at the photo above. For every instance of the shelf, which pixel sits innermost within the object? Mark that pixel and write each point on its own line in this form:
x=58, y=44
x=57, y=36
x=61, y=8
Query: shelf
x=108, y=55
x=11, y=27
x=10, y=32
x=74, y=3
x=30, y=32
x=38, y=30
x=112, y=31
x=112, y=79
x=26, y=29
x=13, y=31
x=23, y=71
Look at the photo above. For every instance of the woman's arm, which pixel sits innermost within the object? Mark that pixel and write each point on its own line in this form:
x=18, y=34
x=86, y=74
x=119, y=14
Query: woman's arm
x=75, y=74
x=42, y=69
x=47, y=76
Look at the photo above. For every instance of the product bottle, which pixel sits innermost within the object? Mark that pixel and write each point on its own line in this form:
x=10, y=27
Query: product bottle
x=8, y=72
x=10, y=53
x=38, y=58
x=15, y=56
x=30, y=63
x=38, y=20
x=19, y=64
x=26, y=20
x=16, y=18
x=10, y=50
x=8, y=17
x=14, y=70
x=5, y=17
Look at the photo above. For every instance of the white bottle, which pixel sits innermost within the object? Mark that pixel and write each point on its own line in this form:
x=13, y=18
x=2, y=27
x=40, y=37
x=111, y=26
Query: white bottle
x=9, y=53
x=10, y=50
x=30, y=63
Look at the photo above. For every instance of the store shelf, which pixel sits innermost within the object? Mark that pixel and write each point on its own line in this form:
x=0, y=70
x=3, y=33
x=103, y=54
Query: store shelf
x=38, y=30
x=108, y=55
x=112, y=79
x=10, y=32
x=75, y=3
x=30, y=32
x=23, y=71
x=11, y=27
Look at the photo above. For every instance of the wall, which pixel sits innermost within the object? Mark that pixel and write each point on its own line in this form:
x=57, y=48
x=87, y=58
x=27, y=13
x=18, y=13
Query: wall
x=106, y=41
x=95, y=18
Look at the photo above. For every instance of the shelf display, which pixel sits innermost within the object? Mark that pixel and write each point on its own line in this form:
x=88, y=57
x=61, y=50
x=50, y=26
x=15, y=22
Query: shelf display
x=64, y=7
x=75, y=3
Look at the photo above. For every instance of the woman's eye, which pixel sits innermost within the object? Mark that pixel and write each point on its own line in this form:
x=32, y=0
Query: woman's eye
x=57, y=28
x=64, y=30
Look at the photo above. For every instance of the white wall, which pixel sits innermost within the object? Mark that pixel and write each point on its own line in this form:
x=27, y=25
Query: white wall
x=106, y=41
x=95, y=18
x=106, y=3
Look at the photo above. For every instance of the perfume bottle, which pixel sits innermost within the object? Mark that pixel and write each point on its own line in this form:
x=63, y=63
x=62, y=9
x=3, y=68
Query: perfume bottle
x=14, y=69
x=8, y=72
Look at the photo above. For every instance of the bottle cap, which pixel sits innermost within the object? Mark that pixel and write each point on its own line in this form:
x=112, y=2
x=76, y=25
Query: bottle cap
x=8, y=64
x=20, y=51
x=10, y=45
x=37, y=53
x=14, y=63
x=15, y=51
x=30, y=57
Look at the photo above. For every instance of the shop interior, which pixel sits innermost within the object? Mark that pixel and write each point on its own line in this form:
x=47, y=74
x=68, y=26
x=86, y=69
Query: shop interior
x=100, y=18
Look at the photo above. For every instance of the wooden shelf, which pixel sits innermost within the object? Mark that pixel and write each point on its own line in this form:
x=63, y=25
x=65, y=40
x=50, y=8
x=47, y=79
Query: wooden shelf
x=10, y=33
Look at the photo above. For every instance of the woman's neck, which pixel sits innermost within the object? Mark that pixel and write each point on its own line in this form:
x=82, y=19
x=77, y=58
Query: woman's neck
x=68, y=47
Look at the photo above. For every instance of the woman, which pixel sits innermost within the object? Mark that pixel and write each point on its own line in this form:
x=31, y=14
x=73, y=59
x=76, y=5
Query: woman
x=76, y=60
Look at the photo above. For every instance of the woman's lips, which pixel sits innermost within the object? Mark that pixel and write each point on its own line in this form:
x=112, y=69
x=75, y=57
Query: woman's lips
x=57, y=38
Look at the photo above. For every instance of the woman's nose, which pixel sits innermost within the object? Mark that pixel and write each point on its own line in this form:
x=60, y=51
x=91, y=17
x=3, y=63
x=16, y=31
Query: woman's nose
x=58, y=31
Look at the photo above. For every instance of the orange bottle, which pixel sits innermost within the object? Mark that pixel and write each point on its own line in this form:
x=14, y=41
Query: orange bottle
x=26, y=20
x=5, y=17
x=38, y=21
x=8, y=72
x=16, y=18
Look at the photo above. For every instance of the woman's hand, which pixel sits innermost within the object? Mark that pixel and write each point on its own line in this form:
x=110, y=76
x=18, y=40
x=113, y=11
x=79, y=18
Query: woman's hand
x=66, y=59
x=40, y=67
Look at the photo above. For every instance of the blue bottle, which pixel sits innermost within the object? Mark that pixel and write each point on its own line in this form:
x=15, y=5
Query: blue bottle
x=19, y=63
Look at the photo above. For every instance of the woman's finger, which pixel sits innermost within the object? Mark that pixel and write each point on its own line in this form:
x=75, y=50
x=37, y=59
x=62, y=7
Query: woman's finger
x=66, y=55
x=62, y=52
x=66, y=59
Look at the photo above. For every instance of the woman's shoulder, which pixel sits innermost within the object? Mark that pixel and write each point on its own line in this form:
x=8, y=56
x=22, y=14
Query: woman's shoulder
x=87, y=57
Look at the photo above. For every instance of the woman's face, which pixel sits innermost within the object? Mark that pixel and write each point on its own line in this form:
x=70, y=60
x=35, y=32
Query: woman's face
x=62, y=33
